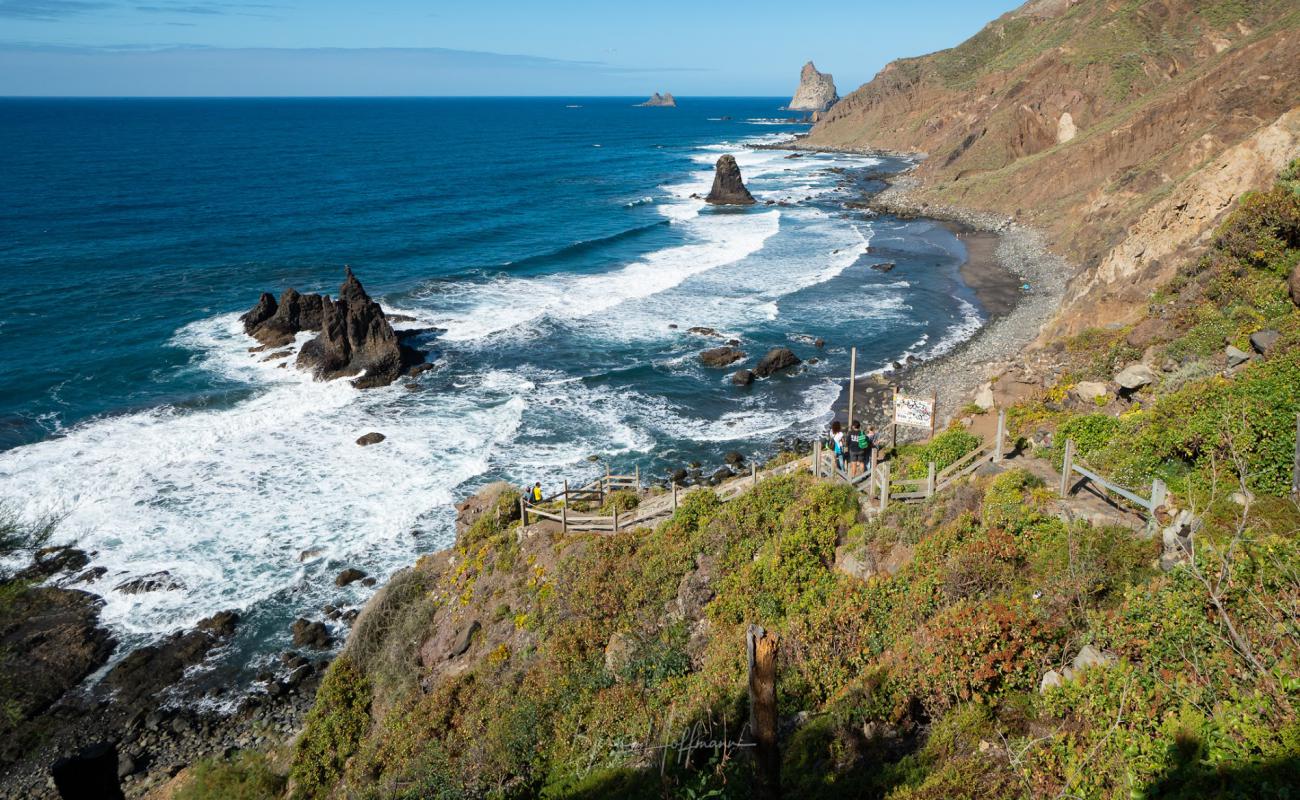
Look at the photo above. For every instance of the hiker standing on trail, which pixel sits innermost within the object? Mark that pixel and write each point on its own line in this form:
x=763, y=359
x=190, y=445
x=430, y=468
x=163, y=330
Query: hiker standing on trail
x=535, y=494
x=837, y=444
x=857, y=452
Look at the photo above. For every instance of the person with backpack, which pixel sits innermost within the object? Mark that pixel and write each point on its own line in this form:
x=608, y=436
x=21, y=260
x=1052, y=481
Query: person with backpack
x=534, y=494
x=869, y=446
x=859, y=448
x=837, y=444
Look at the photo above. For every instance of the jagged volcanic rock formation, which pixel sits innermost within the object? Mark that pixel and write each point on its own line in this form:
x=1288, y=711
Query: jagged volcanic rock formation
x=728, y=188
x=355, y=336
x=665, y=100
x=816, y=91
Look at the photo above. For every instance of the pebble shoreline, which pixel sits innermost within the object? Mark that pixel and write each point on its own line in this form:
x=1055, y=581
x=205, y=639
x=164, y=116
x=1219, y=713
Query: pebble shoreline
x=1023, y=252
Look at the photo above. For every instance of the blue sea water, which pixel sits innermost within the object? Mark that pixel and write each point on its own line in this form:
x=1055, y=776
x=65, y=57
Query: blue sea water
x=555, y=242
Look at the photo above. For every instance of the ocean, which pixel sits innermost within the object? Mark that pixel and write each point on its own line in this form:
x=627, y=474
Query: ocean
x=554, y=242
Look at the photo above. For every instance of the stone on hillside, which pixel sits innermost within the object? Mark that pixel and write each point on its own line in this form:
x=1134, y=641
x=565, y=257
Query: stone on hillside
x=1148, y=332
x=1090, y=656
x=734, y=458
x=816, y=90
x=619, y=653
x=1051, y=680
x=349, y=576
x=1089, y=391
x=720, y=475
x=728, y=187
x=742, y=377
x=1135, y=376
x=720, y=356
x=1235, y=356
x=777, y=359
x=984, y=397
x=1263, y=341
x=370, y=438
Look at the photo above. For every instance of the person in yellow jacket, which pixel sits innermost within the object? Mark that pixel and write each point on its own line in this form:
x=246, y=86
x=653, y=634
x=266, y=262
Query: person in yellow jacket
x=535, y=494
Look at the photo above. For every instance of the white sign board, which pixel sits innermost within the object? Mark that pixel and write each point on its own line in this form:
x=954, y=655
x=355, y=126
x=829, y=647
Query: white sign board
x=914, y=412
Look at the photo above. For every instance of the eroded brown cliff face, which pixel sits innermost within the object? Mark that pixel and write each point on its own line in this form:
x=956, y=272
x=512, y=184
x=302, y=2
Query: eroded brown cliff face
x=1082, y=116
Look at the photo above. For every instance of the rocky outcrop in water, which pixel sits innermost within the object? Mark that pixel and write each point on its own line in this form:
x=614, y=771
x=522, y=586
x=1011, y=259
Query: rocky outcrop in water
x=728, y=187
x=777, y=359
x=665, y=100
x=816, y=91
x=354, y=336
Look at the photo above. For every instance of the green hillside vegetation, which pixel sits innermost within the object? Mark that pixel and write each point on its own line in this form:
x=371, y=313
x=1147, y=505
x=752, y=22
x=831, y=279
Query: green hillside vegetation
x=920, y=684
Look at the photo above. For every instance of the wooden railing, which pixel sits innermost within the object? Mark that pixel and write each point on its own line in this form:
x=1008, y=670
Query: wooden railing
x=879, y=485
x=1069, y=466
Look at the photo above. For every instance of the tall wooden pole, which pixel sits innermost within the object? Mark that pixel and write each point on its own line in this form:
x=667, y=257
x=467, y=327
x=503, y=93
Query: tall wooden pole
x=674, y=497
x=893, y=410
x=1002, y=435
x=762, y=709
x=853, y=378
x=1067, y=464
x=934, y=410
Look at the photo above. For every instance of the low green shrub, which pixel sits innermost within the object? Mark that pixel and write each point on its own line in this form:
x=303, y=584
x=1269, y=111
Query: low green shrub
x=333, y=730
x=247, y=775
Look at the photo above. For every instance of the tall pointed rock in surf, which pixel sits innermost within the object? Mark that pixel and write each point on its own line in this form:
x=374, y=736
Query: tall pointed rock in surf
x=728, y=187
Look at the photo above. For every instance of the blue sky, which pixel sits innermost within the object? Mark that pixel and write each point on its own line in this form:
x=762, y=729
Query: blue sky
x=479, y=47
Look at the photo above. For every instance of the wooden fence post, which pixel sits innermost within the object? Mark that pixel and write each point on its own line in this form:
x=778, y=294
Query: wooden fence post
x=564, y=502
x=817, y=458
x=1158, y=494
x=1002, y=435
x=884, y=486
x=753, y=472
x=893, y=429
x=616, y=518
x=853, y=378
x=674, y=497
x=929, y=481
x=523, y=511
x=1067, y=465
x=761, y=647
x=564, y=518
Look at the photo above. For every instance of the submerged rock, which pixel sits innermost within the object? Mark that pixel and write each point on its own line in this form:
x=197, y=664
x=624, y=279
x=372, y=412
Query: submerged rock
x=153, y=582
x=728, y=187
x=720, y=356
x=742, y=377
x=777, y=359
x=368, y=439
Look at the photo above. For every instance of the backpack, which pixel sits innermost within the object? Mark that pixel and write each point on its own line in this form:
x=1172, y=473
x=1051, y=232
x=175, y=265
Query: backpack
x=864, y=441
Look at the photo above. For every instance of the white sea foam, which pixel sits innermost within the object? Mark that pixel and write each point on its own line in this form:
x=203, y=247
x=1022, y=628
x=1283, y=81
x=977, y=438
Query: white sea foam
x=510, y=303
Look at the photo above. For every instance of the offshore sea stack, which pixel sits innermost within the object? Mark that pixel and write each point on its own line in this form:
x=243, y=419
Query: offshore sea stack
x=354, y=335
x=665, y=100
x=728, y=188
x=816, y=91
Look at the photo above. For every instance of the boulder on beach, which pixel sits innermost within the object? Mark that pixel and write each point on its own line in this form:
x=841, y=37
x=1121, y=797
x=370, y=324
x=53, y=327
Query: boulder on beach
x=777, y=359
x=728, y=187
x=720, y=356
x=374, y=437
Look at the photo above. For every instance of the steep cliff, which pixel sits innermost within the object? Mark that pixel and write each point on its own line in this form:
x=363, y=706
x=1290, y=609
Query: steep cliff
x=1082, y=116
